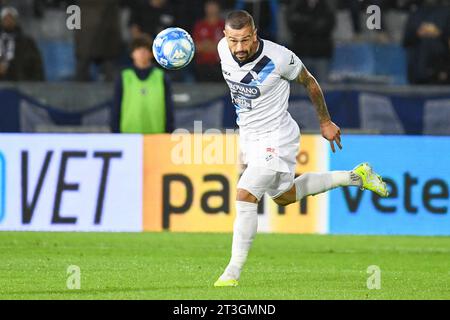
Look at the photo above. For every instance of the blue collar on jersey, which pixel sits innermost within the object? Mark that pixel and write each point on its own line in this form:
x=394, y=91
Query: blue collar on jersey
x=252, y=58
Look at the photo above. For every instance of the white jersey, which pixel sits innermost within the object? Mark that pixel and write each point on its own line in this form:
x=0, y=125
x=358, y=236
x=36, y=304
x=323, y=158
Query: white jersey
x=260, y=86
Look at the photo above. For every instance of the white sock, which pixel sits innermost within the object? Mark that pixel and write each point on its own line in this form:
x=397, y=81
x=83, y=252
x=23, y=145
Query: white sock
x=314, y=183
x=245, y=227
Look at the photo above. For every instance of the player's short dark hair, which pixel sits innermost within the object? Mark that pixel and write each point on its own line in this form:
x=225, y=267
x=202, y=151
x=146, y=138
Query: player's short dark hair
x=141, y=42
x=239, y=19
x=216, y=2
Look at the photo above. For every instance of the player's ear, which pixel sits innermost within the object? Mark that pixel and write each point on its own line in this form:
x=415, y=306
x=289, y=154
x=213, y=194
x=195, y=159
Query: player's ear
x=255, y=35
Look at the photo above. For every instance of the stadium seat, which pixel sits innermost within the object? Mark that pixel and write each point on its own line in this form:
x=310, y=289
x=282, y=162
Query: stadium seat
x=391, y=61
x=59, y=59
x=352, y=61
x=366, y=62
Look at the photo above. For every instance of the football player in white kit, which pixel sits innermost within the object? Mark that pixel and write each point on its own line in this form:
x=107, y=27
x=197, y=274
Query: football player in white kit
x=258, y=73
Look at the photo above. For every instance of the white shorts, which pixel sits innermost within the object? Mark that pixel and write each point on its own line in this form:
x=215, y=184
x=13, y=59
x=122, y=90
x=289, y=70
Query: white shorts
x=259, y=180
x=271, y=160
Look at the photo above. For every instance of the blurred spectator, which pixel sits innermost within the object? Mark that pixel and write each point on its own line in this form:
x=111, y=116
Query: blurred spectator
x=207, y=34
x=187, y=13
x=227, y=5
x=311, y=23
x=151, y=17
x=39, y=6
x=427, y=40
x=20, y=59
x=264, y=13
x=98, y=42
x=143, y=96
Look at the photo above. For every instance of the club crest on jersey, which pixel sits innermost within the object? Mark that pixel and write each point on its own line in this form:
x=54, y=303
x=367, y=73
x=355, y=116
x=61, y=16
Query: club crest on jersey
x=244, y=90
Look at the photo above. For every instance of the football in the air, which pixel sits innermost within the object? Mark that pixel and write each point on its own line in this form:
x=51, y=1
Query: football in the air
x=173, y=48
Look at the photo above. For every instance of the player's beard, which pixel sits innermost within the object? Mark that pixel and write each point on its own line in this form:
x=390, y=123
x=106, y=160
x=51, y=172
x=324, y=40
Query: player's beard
x=242, y=55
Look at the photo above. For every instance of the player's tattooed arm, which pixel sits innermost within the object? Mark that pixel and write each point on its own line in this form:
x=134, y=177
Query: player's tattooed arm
x=315, y=94
x=330, y=130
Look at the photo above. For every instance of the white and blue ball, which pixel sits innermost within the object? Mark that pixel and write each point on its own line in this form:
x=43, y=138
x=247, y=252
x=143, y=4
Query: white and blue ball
x=173, y=48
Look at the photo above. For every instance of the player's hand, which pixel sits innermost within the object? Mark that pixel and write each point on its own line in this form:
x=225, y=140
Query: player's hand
x=332, y=133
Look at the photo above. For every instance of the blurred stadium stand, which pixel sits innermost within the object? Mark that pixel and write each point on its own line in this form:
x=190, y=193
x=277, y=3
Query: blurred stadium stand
x=82, y=107
x=371, y=63
x=368, y=89
x=57, y=44
x=59, y=59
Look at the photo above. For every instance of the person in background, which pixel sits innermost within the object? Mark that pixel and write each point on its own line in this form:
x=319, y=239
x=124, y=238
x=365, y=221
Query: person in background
x=207, y=34
x=187, y=13
x=20, y=59
x=265, y=13
x=311, y=23
x=40, y=6
x=143, y=96
x=98, y=42
x=427, y=40
x=151, y=17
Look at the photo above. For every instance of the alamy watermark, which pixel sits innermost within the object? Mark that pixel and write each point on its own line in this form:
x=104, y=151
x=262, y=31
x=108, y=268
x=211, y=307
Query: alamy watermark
x=74, y=277
x=215, y=147
x=73, y=21
x=373, y=22
x=374, y=280
x=211, y=146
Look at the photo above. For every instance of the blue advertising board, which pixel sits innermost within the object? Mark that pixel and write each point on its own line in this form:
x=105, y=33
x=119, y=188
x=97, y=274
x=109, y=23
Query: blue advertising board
x=416, y=170
x=2, y=186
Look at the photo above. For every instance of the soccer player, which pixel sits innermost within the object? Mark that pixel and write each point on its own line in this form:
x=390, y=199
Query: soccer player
x=258, y=72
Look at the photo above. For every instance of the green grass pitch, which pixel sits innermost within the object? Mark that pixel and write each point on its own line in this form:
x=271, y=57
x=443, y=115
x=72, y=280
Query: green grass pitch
x=185, y=266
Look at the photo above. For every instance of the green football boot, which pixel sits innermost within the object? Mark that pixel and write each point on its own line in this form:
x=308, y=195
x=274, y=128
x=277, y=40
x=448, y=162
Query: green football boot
x=226, y=283
x=370, y=180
